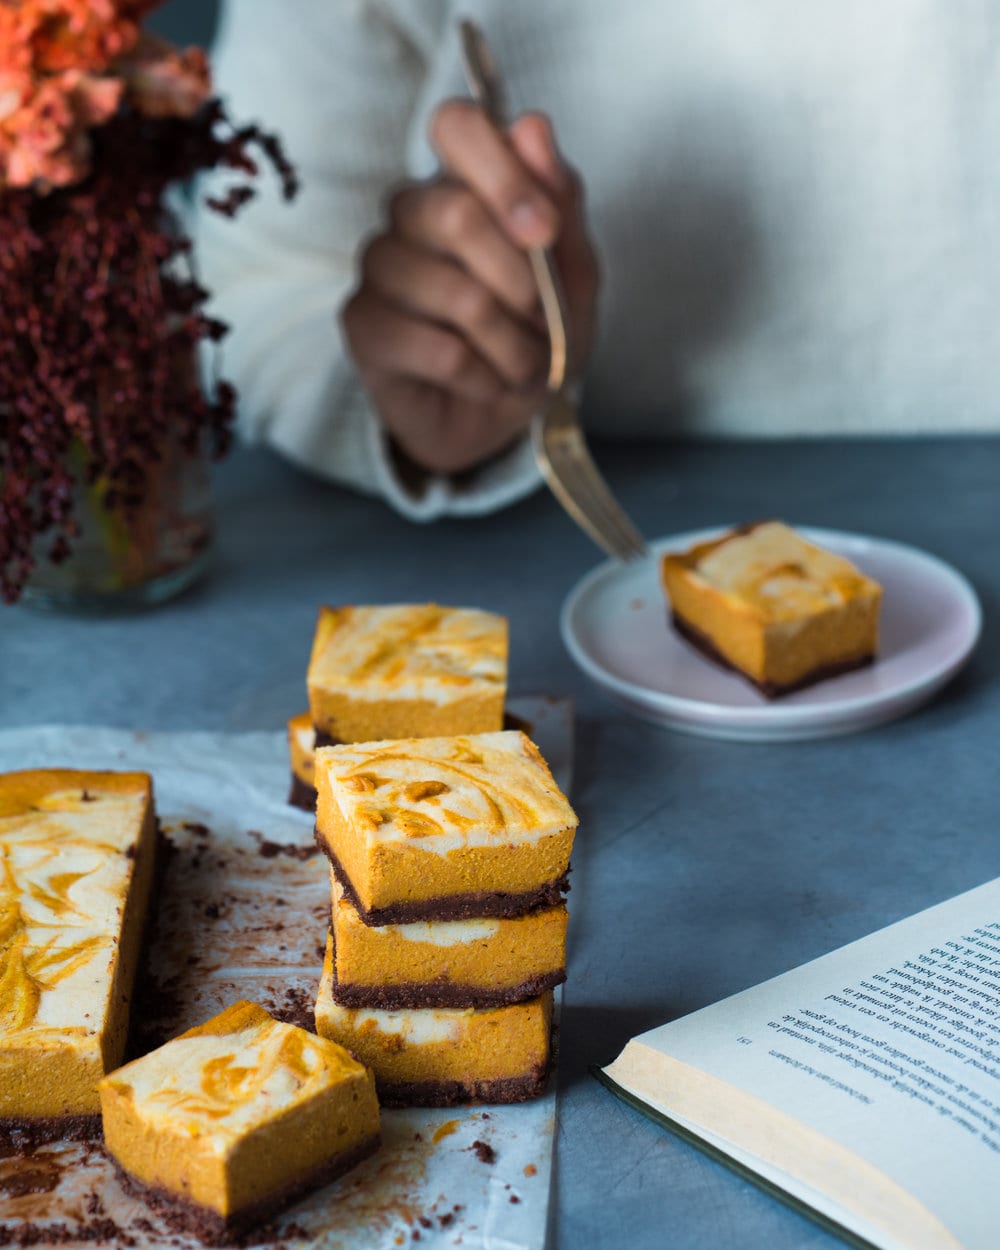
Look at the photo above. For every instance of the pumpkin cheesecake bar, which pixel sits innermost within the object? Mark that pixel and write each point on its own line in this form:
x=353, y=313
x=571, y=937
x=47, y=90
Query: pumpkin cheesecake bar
x=444, y=828
x=440, y=1057
x=77, y=854
x=780, y=610
x=233, y=1120
x=301, y=748
x=406, y=671
x=484, y=962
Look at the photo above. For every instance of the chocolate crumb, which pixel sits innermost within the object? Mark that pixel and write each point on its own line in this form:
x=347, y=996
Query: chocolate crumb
x=484, y=1151
x=293, y=850
x=446, y=1219
x=197, y=828
x=424, y=1222
x=514, y=1198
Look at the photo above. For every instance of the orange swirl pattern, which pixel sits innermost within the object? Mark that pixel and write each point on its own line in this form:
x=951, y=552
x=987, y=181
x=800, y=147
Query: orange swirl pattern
x=220, y=1078
x=64, y=873
x=393, y=645
x=432, y=787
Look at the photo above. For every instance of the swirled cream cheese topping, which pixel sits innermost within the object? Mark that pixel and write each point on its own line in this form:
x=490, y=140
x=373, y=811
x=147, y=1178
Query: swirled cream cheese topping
x=409, y=651
x=774, y=569
x=65, y=869
x=443, y=794
x=223, y=1079
x=426, y=1027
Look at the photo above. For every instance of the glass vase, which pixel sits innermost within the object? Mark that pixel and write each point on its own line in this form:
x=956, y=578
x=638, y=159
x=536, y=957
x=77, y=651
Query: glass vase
x=125, y=559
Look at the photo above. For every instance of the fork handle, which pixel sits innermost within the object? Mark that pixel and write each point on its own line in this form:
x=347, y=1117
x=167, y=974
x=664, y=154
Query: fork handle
x=487, y=90
x=554, y=307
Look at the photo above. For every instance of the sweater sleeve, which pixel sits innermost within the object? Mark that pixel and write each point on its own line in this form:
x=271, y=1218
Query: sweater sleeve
x=338, y=81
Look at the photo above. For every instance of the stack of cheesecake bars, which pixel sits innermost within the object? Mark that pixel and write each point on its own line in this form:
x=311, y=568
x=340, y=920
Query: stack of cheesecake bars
x=449, y=844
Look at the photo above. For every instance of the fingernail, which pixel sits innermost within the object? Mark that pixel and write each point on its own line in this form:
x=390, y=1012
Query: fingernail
x=531, y=222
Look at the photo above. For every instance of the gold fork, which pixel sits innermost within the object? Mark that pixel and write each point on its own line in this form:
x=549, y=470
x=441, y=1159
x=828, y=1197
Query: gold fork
x=556, y=435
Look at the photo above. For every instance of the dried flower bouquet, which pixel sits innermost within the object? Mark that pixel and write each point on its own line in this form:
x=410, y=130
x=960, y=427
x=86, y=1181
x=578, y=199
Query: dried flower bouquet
x=100, y=309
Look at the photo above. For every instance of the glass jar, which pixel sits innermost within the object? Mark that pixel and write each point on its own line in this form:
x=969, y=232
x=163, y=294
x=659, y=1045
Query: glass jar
x=131, y=558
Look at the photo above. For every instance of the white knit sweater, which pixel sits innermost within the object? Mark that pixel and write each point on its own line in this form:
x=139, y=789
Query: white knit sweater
x=796, y=205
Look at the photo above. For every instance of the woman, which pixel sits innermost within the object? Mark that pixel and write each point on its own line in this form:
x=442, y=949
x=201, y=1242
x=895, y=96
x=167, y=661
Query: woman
x=794, y=207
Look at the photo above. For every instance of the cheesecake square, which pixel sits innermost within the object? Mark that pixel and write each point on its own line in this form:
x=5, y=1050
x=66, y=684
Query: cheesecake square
x=232, y=1121
x=302, y=761
x=77, y=857
x=482, y=962
x=406, y=671
x=780, y=610
x=445, y=1056
x=444, y=828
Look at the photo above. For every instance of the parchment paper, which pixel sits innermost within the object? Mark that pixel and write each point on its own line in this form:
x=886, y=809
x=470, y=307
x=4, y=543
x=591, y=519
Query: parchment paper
x=242, y=912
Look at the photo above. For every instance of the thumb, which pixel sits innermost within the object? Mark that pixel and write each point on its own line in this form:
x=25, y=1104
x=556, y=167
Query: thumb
x=533, y=139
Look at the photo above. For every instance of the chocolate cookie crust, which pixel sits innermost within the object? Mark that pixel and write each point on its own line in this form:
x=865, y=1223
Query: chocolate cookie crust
x=26, y=1132
x=769, y=689
x=300, y=794
x=440, y=994
x=474, y=906
x=455, y=1093
x=214, y=1229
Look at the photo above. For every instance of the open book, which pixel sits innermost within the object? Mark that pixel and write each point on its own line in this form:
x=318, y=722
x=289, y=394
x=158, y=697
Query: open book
x=864, y=1085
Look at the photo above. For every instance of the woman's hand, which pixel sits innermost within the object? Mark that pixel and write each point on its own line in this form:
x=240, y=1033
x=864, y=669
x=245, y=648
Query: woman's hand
x=445, y=327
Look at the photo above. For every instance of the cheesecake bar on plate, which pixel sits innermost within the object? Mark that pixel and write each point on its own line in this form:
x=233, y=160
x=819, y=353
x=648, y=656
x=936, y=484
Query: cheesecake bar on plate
x=484, y=962
x=235, y=1119
x=444, y=828
x=440, y=1057
x=406, y=671
x=778, y=609
x=77, y=854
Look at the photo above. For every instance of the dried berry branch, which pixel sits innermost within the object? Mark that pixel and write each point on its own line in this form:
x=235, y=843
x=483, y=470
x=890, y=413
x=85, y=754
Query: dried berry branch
x=100, y=319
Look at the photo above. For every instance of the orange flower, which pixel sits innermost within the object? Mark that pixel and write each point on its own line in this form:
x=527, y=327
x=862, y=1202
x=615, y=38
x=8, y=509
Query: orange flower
x=70, y=34
x=44, y=139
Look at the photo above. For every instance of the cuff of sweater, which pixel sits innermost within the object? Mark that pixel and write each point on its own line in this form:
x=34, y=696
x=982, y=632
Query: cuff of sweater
x=497, y=484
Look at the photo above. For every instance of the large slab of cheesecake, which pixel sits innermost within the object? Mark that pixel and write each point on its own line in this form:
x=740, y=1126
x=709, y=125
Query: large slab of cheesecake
x=77, y=853
x=779, y=609
x=232, y=1121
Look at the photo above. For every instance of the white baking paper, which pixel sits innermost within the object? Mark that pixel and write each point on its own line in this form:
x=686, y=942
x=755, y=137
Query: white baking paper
x=242, y=912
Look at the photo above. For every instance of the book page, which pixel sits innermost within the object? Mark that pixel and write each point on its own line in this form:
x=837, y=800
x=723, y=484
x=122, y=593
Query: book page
x=890, y=1047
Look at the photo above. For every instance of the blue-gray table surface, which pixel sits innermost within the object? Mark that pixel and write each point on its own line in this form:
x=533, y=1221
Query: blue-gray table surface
x=701, y=867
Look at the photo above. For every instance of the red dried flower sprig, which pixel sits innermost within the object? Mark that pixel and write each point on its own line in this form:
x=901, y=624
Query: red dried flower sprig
x=100, y=318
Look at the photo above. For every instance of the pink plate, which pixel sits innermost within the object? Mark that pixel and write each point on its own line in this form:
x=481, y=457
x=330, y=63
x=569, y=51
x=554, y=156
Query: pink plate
x=614, y=623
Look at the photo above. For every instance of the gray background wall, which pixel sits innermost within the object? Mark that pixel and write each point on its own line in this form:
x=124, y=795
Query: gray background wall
x=188, y=21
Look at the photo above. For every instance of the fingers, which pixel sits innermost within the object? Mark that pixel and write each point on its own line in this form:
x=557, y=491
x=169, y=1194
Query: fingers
x=385, y=341
x=477, y=154
x=433, y=287
x=448, y=218
x=443, y=434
